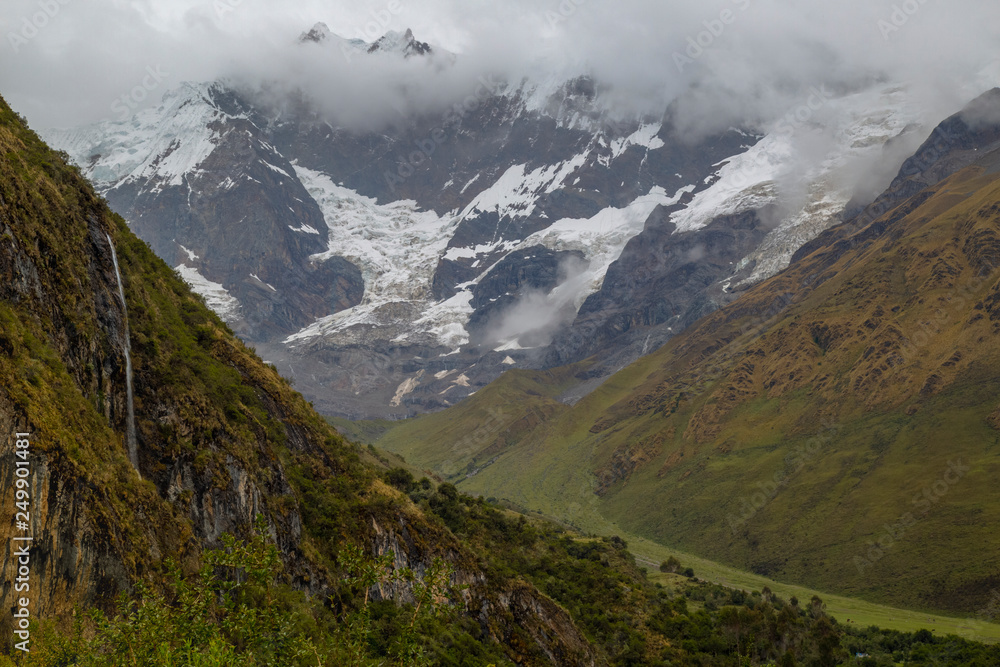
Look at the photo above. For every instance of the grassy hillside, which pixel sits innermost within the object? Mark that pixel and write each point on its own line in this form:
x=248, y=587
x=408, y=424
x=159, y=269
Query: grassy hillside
x=222, y=439
x=211, y=419
x=515, y=405
x=835, y=427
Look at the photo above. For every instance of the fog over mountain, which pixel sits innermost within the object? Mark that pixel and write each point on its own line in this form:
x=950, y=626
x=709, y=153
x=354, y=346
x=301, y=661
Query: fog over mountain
x=732, y=60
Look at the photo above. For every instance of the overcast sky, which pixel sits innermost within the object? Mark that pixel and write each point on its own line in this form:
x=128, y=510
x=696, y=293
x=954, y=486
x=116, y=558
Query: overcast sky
x=65, y=62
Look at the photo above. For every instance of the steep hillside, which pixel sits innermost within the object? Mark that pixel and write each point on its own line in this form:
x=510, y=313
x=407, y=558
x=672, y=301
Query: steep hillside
x=219, y=436
x=835, y=426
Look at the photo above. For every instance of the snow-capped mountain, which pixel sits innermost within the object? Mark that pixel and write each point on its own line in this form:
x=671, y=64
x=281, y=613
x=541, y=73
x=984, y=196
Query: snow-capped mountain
x=402, y=43
x=398, y=270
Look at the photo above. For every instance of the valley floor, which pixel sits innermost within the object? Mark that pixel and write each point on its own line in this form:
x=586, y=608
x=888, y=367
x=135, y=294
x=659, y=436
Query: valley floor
x=849, y=611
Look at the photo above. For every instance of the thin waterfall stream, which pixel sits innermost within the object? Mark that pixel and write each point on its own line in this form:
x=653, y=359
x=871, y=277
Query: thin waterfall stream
x=133, y=453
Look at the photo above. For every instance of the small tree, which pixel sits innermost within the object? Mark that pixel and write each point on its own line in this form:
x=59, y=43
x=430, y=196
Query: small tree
x=401, y=479
x=431, y=593
x=816, y=606
x=671, y=565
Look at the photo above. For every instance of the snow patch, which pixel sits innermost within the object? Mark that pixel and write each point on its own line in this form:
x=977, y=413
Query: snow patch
x=397, y=246
x=516, y=193
x=271, y=166
x=216, y=296
x=746, y=181
x=603, y=237
x=862, y=124
x=453, y=254
x=162, y=144
x=268, y=285
x=645, y=137
x=191, y=256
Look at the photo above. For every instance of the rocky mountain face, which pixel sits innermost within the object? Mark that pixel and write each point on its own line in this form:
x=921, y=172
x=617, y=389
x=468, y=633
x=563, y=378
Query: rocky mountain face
x=396, y=270
x=834, y=425
x=210, y=191
x=221, y=438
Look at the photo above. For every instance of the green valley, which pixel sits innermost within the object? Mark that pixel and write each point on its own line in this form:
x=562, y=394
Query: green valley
x=835, y=427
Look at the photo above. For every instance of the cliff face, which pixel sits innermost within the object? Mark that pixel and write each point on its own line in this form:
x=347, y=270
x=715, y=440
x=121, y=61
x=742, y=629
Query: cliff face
x=220, y=436
x=205, y=454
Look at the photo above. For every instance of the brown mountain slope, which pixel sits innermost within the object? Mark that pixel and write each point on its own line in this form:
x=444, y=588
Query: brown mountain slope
x=836, y=426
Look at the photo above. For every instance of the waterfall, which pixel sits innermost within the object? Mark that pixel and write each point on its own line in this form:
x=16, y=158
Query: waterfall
x=133, y=454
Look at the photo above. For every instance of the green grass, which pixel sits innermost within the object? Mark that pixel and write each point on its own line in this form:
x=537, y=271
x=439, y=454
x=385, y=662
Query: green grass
x=565, y=491
x=362, y=432
x=453, y=444
x=543, y=474
x=724, y=407
x=847, y=610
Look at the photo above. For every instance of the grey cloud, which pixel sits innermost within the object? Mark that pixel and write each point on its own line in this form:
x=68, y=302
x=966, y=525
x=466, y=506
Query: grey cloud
x=728, y=62
x=536, y=316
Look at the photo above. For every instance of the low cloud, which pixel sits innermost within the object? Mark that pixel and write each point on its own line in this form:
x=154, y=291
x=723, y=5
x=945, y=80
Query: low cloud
x=536, y=316
x=728, y=62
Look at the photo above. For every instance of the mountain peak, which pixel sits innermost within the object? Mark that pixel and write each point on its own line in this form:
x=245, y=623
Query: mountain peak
x=318, y=33
x=404, y=43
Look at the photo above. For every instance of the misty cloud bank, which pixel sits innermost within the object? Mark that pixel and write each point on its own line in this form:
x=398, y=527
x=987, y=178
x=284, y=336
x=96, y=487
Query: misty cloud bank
x=536, y=316
x=730, y=62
